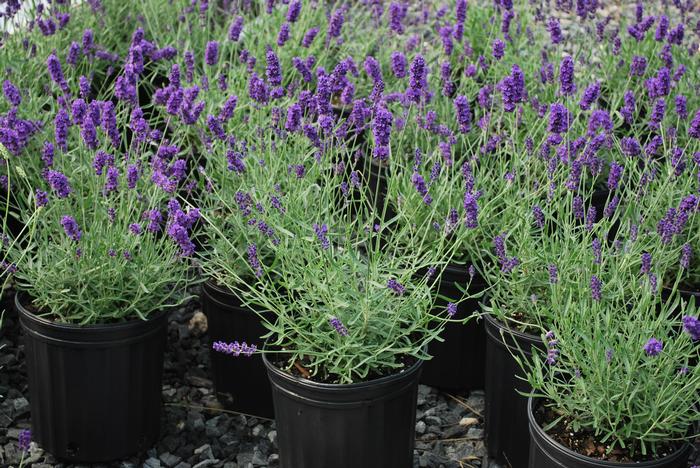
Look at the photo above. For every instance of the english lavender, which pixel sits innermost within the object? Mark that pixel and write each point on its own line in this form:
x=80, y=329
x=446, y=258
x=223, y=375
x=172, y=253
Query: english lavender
x=234, y=32
x=336, y=23
x=686, y=256
x=399, y=64
x=596, y=288
x=590, y=95
x=461, y=104
x=59, y=183
x=395, y=286
x=309, y=37
x=211, y=53
x=321, y=234
x=566, y=76
x=71, y=228
x=653, y=347
x=692, y=326
x=338, y=326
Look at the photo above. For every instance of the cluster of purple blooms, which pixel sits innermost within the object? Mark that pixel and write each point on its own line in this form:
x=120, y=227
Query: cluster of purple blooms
x=235, y=348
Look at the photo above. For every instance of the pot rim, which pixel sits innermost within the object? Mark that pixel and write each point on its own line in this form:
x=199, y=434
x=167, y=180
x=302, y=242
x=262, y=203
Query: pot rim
x=536, y=431
x=490, y=319
x=414, y=368
x=41, y=321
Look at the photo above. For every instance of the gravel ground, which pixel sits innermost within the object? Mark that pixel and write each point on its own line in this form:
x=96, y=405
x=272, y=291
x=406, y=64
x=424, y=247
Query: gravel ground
x=198, y=432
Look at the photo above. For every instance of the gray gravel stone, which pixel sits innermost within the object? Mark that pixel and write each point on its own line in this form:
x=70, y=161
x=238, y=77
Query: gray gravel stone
x=169, y=459
x=420, y=427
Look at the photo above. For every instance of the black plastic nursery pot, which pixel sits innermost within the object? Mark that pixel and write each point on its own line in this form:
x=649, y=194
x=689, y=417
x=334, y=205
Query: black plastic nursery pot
x=506, y=421
x=241, y=384
x=94, y=390
x=458, y=362
x=545, y=452
x=369, y=424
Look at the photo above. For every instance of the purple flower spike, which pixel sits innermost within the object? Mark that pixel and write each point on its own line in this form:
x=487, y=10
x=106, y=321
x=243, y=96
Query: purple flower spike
x=211, y=53
x=234, y=349
x=686, y=255
x=338, y=326
x=464, y=117
x=614, y=175
x=451, y=309
x=24, y=440
x=395, y=286
x=254, y=261
x=692, y=326
x=70, y=226
x=566, y=76
x=553, y=274
x=596, y=287
x=646, y=263
x=321, y=231
x=59, y=183
x=653, y=347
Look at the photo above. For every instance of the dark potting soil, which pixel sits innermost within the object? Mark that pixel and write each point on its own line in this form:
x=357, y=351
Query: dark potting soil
x=197, y=432
x=299, y=369
x=589, y=445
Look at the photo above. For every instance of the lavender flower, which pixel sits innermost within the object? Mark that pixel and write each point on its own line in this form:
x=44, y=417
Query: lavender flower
x=253, y=260
x=538, y=215
x=338, y=326
x=590, y=95
x=421, y=187
x=614, y=175
x=71, y=228
x=461, y=104
x=471, y=209
x=336, y=23
x=309, y=37
x=646, y=263
x=24, y=440
x=694, y=128
x=41, y=198
x=59, y=183
x=553, y=274
x=418, y=81
x=552, y=351
x=692, y=326
x=686, y=255
x=273, y=70
x=211, y=53
x=234, y=349
x=11, y=93
x=566, y=76
x=234, y=31
x=681, y=106
x=399, y=64
x=56, y=73
x=554, y=29
x=451, y=309
x=498, y=49
x=293, y=11
x=596, y=288
x=638, y=66
x=597, y=254
x=559, y=118
x=381, y=129
x=283, y=35
x=321, y=231
x=61, y=124
x=179, y=234
x=395, y=286
x=653, y=347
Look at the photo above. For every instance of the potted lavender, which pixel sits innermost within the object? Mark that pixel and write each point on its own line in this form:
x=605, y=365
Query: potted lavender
x=105, y=258
x=348, y=317
x=612, y=390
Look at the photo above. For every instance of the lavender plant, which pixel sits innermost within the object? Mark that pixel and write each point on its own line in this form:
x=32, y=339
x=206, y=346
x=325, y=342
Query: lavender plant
x=108, y=241
x=342, y=304
x=623, y=370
